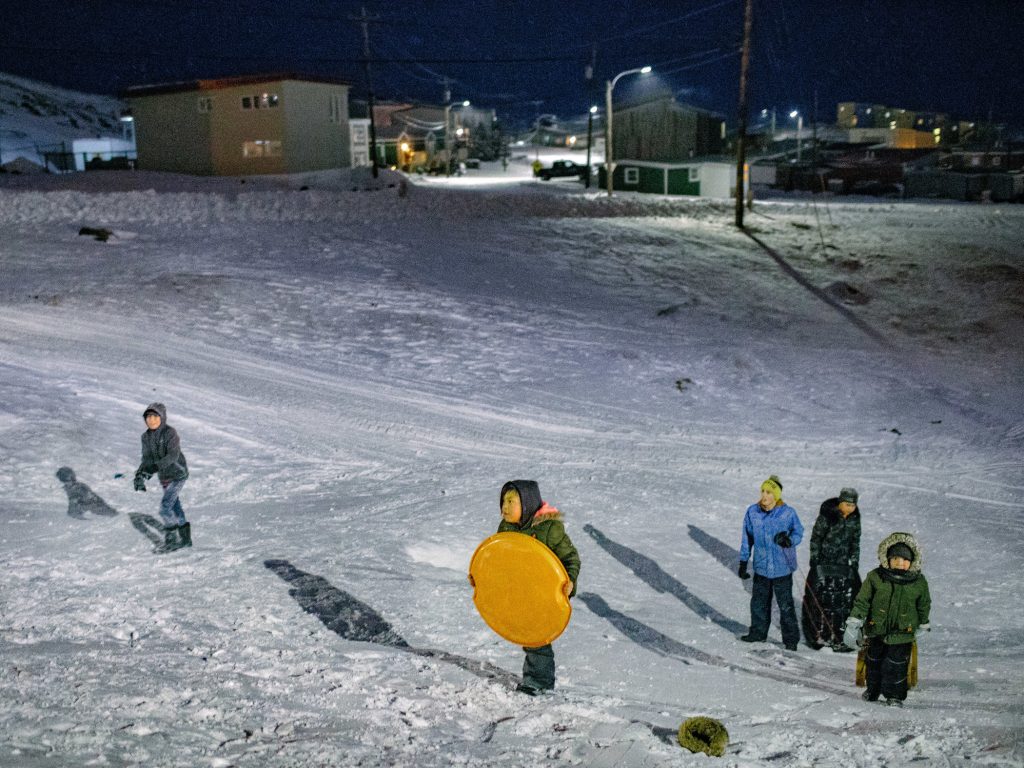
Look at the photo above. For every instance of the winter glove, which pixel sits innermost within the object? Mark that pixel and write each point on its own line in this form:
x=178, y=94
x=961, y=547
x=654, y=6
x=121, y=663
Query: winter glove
x=743, y=570
x=140, y=483
x=783, y=540
x=852, y=632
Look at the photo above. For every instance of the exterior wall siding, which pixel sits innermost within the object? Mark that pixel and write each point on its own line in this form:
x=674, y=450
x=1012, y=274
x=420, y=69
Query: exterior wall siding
x=234, y=126
x=171, y=134
x=665, y=132
x=314, y=142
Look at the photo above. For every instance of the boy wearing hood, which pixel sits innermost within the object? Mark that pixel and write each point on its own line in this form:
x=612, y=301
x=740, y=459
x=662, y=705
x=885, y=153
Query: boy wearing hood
x=523, y=511
x=162, y=456
x=890, y=607
x=833, y=577
x=771, y=530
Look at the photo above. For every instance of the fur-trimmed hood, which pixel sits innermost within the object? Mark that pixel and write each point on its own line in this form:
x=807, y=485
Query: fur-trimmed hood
x=901, y=538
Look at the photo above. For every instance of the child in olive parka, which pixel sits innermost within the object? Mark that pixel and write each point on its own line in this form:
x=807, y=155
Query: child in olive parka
x=523, y=511
x=891, y=606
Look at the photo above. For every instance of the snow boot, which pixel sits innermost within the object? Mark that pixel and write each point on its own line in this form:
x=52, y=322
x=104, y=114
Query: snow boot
x=185, y=533
x=751, y=638
x=894, y=702
x=172, y=540
x=869, y=696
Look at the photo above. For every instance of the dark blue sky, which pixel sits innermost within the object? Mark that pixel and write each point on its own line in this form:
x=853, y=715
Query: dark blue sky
x=959, y=57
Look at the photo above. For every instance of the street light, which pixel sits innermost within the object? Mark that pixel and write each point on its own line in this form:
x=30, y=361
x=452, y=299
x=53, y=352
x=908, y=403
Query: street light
x=590, y=138
x=799, y=130
x=447, y=136
x=609, y=166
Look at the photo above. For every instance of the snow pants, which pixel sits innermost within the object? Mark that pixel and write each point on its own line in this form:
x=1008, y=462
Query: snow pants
x=539, y=667
x=761, y=607
x=828, y=600
x=170, y=505
x=887, y=668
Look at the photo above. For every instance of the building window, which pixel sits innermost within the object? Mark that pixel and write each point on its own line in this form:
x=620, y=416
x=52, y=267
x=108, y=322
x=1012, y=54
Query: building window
x=205, y=104
x=261, y=148
x=358, y=134
x=335, y=112
x=632, y=175
x=694, y=173
x=260, y=101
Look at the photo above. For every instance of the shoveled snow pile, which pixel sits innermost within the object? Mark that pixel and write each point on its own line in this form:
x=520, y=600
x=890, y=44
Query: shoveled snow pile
x=355, y=370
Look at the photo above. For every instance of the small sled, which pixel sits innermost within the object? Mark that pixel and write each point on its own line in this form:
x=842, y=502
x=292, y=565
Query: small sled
x=519, y=589
x=862, y=668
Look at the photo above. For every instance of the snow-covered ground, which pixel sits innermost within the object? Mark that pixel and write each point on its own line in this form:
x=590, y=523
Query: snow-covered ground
x=354, y=374
x=35, y=116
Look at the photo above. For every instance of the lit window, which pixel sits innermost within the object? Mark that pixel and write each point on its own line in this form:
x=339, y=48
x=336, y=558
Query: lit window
x=892, y=124
x=205, y=104
x=261, y=148
x=632, y=175
x=260, y=101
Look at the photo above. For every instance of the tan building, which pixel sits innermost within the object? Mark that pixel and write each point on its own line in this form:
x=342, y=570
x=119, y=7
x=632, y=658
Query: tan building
x=242, y=125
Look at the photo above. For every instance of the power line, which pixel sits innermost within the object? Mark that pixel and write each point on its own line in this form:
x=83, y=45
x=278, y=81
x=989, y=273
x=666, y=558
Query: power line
x=122, y=53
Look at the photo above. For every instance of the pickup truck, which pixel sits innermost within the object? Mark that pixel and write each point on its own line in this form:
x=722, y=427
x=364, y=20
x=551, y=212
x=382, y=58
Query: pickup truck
x=562, y=169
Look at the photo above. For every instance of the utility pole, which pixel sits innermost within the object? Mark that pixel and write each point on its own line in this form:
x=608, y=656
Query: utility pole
x=589, y=74
x=741, y=149
x=365, y=21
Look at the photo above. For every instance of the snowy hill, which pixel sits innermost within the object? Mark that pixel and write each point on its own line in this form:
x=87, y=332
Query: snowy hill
x=35, y=115
x=355, y=374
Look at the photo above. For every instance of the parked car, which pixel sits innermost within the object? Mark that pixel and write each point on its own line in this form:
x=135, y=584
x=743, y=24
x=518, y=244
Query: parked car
x=562, y=169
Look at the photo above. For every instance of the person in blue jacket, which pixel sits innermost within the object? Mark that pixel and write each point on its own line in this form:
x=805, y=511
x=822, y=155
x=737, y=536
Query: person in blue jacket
x=772, y=530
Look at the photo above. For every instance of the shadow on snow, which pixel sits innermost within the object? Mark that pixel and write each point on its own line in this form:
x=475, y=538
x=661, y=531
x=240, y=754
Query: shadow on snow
x=655, y=577
x=82, y=499
x=352, y=619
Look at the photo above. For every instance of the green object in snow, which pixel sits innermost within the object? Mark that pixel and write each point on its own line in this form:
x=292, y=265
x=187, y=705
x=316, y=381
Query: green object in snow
x=704, y=734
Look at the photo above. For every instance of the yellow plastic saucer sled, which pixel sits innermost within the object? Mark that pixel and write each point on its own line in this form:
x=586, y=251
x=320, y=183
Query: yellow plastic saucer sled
x=520, y=589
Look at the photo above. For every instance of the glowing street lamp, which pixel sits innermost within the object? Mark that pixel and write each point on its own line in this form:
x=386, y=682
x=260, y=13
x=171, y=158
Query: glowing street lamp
x=608, y=164
x=447, y=130
x=590, y=139
x=799, y=130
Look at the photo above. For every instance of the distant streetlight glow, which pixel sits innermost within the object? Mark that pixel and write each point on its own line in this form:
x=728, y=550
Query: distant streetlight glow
x=799, y=130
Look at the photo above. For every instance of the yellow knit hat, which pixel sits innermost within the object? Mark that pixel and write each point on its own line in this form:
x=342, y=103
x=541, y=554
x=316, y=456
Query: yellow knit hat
x=774, y=486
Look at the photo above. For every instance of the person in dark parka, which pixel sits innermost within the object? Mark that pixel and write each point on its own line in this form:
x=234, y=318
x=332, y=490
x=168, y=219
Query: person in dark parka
x=834, y=577
x=523, y=511
x=162, y=456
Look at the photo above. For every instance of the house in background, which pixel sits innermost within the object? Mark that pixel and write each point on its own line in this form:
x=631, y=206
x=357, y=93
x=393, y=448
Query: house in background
x=895, y=127
x=661, y=130
x=426, y=136
x=280, y=123
x=667, y=148
x=700, y=178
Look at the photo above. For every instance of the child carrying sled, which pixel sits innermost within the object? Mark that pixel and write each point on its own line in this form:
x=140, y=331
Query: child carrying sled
x=523, y=511
x=891, y=606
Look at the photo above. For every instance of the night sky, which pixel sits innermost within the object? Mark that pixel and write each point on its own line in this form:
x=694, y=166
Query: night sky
x=526, y=57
